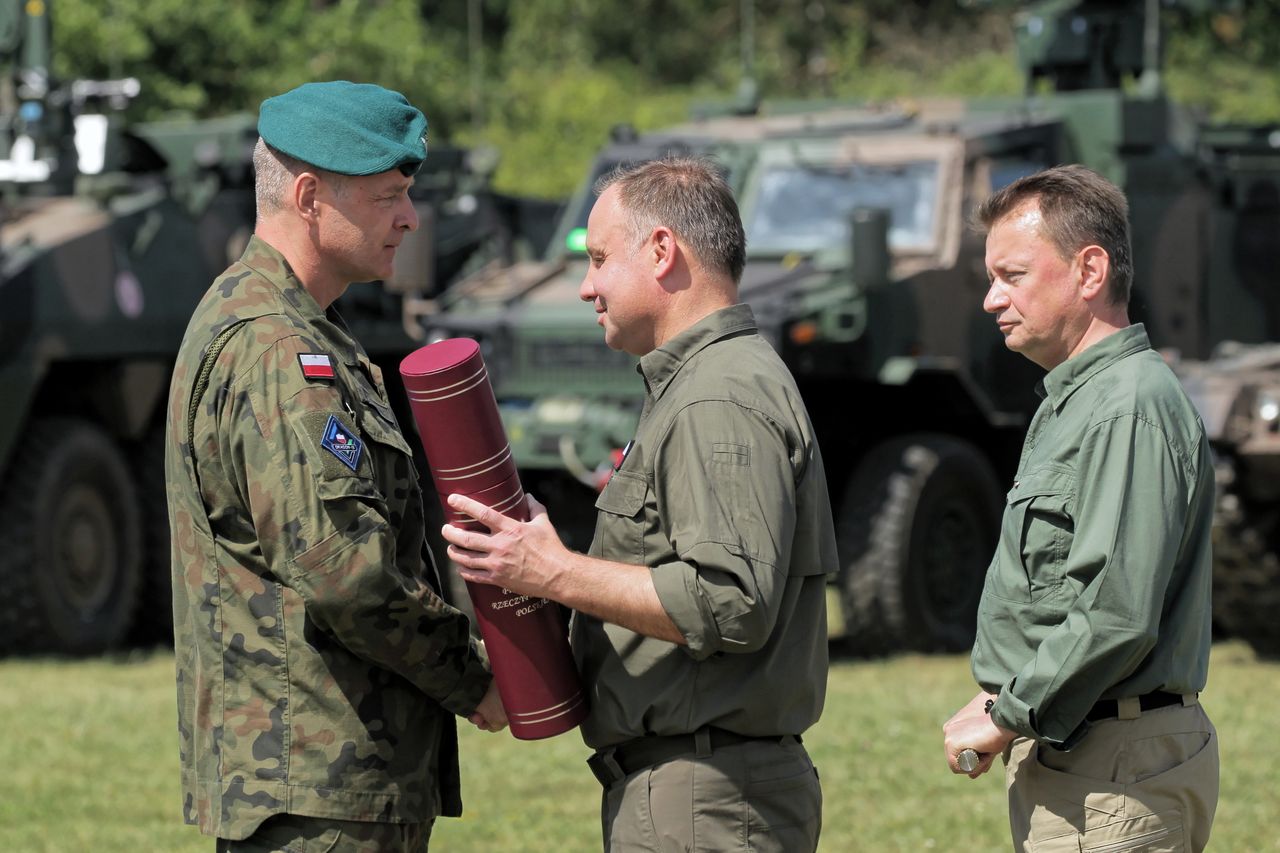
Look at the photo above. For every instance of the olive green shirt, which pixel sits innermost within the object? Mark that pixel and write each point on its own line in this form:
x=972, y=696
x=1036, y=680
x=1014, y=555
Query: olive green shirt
x=1100, y=585
x=723, y=496
x=317, y=673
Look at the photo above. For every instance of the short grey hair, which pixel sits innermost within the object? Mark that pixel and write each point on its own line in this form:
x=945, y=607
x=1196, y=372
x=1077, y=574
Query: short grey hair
x=690, y=196
x=274, y=172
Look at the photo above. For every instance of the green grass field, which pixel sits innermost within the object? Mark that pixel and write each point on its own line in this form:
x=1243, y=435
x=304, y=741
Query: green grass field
x=89, y=758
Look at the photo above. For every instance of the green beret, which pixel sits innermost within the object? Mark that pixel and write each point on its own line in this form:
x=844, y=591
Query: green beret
x=348, y=128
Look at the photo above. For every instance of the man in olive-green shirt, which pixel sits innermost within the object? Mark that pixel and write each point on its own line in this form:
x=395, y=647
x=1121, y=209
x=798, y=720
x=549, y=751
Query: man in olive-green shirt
x=1094, y=626
x=700, y=627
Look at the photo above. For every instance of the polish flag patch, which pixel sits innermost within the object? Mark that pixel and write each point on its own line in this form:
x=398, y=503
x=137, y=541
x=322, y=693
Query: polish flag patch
x=316, y=365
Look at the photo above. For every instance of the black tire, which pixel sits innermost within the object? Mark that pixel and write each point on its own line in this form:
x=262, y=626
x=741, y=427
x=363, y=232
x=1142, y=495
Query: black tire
x=1246, y=579
x=153, y=624
x=70, y=547
x=917, y=529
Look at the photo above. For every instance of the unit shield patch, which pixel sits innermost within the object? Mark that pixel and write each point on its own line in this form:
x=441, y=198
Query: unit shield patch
x=341, y=443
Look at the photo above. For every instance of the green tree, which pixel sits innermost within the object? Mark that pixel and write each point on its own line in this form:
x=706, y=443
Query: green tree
x=544, y=80
x=212, y=58
x=1226, y=63
x=198, y=58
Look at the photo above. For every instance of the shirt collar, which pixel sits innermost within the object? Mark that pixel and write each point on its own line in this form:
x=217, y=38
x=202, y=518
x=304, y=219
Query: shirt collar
x=659, y=366
x=1061, y=382
x=264, y=259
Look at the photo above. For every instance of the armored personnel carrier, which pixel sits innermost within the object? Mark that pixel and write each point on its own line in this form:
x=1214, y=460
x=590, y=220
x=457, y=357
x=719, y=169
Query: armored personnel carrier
x=108, y=240
x=863, y=272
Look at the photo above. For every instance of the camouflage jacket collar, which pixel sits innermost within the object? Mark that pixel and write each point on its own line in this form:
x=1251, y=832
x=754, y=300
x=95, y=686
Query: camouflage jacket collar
x=265, y=260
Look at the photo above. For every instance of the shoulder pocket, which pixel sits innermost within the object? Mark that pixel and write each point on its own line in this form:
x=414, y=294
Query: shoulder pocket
x=336, y=455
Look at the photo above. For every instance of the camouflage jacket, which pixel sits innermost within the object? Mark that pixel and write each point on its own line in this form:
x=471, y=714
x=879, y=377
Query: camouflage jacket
x=317, y=673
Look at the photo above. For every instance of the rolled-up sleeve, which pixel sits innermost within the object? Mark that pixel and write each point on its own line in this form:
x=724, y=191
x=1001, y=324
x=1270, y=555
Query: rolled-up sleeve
x=1130, y=512
x=725, y=487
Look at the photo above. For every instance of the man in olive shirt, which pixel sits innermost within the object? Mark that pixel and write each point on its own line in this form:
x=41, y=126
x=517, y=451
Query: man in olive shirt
x=700, y=627
x=1093, y=631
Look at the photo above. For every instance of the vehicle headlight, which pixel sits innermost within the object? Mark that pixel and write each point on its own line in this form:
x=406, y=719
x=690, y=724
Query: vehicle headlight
x=1268, y=408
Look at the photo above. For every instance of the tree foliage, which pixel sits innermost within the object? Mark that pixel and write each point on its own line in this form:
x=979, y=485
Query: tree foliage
x=544, y=80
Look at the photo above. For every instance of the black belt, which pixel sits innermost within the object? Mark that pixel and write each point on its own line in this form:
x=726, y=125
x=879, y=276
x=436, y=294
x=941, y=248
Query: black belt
x=618, y=762
x=1107, y=709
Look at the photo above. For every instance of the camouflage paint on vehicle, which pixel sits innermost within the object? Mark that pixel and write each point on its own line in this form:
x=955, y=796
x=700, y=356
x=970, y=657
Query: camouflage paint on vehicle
x=101, y=259
x=1237, y=391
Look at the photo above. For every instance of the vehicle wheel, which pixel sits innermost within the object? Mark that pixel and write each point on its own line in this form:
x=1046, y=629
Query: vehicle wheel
x=153, y=623
x=1246, y=581
x=917, y=529
x=70, y=547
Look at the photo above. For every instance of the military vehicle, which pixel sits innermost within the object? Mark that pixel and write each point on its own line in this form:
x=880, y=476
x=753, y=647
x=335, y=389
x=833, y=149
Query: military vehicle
x=109, y=234
x=108, y=240
x=1238, y=394
x=862, y=271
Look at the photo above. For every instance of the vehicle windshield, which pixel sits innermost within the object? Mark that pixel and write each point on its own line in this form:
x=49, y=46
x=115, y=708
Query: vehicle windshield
x=576, y=237
x=802, y=208
x=602, y=167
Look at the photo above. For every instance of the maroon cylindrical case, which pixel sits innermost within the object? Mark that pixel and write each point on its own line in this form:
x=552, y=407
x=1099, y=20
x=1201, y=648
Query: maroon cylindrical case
x=466, y=446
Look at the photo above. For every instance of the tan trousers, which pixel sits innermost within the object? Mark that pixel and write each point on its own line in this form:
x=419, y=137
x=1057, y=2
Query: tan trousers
x=1146, y=784
x=758, y=796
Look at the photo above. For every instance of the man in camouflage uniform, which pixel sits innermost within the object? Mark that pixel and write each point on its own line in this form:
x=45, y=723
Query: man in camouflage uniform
x=318, y=675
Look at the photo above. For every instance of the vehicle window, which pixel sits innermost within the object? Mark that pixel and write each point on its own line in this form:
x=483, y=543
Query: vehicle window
x=806, y=208
x=1005, y=172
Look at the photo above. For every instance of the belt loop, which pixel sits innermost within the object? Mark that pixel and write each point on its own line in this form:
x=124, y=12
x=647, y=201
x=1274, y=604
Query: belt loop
x=611, y=761
x=702, y=742
x=1189, y=699
x=1128, y=709
x=604, y=764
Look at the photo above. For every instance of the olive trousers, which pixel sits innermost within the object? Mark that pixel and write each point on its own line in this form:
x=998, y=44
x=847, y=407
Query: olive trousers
x=760, y=796
x=1147, y=783
x=286, y=833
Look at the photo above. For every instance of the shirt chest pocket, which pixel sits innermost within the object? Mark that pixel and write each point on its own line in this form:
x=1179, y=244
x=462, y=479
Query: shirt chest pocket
x=620, y=525
x=1036, y=537
x=379, y=421
x=391, y=452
